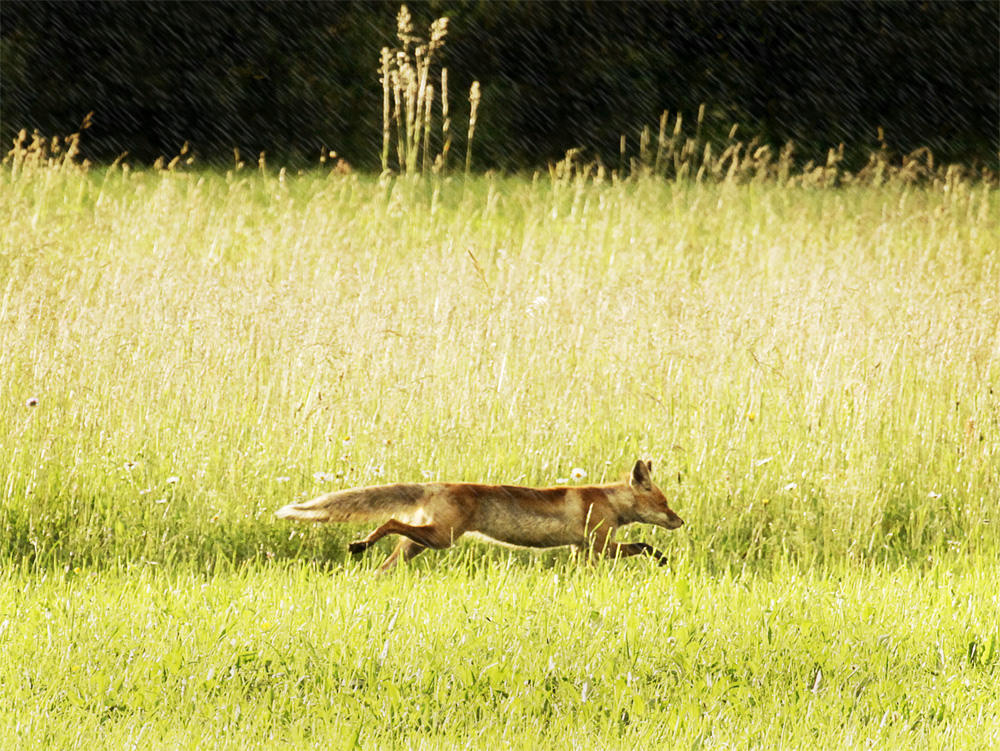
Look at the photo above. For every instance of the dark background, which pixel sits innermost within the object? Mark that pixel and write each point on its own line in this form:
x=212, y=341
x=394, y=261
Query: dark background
x=292, y=78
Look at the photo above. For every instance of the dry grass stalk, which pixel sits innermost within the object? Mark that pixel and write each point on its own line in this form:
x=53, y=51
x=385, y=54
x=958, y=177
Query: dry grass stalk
x=405, y=75
x=445, y=122
x=474, y=97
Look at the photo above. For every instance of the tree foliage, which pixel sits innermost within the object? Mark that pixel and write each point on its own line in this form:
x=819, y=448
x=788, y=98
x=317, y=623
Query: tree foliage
x=294, y=79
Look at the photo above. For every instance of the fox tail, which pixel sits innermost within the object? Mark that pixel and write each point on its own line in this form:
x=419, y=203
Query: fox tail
x=355, y=504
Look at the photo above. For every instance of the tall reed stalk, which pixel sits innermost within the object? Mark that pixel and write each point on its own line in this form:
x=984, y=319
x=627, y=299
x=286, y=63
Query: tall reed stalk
x=474, y=97
x=408, y=95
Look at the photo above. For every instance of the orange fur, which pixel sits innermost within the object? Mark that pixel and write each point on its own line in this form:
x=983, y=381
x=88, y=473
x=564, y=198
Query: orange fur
x=434, y=515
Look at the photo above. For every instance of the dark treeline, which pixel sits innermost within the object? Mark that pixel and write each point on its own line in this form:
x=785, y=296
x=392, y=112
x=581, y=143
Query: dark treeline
x=293, y=78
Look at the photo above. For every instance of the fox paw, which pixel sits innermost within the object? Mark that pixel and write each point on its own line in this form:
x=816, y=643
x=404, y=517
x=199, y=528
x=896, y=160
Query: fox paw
x=358, y=546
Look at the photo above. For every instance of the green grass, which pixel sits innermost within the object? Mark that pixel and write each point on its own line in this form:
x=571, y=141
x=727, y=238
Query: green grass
x=813, y=372
x=511, y=655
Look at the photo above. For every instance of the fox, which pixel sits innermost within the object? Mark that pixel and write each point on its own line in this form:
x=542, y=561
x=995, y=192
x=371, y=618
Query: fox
x=435, y=514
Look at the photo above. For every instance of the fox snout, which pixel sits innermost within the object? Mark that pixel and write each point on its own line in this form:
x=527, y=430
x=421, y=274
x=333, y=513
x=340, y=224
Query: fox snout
x=674, y=521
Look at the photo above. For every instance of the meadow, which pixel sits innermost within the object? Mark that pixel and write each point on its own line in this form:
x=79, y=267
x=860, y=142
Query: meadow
x=811, y=362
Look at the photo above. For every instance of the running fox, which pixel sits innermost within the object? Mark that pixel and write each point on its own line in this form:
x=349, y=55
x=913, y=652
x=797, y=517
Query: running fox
x=434, y=515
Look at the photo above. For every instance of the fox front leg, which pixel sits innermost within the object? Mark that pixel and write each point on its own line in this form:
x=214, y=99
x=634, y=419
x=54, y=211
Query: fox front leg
x=626, y=549
x=642, y=548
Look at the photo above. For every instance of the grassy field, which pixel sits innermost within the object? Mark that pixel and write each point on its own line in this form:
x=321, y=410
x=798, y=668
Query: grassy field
x=520, y=656
x=814, y=371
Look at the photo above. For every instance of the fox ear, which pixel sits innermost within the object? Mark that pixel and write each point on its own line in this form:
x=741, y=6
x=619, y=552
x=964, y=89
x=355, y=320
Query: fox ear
x=649, y=466
x=640, y=475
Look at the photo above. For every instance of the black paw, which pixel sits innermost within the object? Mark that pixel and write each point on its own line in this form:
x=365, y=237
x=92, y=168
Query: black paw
x=358, y=546
x=652, y=552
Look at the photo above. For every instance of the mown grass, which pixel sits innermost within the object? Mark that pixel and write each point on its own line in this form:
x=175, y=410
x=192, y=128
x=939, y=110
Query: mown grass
x=812, y=370
x=522, y=656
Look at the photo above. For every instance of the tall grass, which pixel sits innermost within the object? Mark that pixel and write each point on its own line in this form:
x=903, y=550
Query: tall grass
x=408, y=99
x=181, y=352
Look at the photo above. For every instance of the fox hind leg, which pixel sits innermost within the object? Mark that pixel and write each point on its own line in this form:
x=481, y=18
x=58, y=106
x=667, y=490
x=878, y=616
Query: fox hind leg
x=406, y=550
x=427, y=535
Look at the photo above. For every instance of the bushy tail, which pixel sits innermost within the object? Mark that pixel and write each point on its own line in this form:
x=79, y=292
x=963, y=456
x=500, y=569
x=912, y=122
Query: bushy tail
x=355, y=504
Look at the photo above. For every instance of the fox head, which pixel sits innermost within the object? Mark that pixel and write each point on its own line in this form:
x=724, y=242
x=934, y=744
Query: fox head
x=650, y=503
